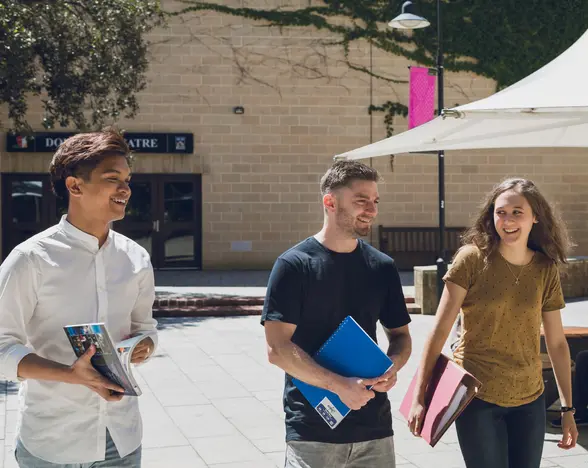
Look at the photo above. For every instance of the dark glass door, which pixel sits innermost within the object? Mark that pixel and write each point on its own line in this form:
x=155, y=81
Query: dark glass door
x=179, y=222
x=165, y=217
x=26, y=203
x=139, y=221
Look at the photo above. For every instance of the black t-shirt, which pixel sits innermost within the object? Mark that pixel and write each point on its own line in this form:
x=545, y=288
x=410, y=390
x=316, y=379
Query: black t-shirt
x=315, y=288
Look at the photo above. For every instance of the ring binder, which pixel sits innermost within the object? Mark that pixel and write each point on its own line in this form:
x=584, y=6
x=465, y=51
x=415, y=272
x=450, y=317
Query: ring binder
x=449, y=391
x=349, y=352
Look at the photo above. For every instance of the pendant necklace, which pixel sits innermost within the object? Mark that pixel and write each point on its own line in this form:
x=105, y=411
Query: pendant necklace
x=517, y=277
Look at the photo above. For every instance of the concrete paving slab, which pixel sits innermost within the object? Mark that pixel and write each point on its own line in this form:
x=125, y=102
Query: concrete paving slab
x=246, y=407
x=451, y=459
x=276, y=406
x=260, y=428
x=227, y=449
x=401, y=461
x=576, y=461
x=222, y=388
x=159, y=430
x=200, y=421
x=265, y=395
x=176, y=457
x=551, y=450
x=545, y=463
x=9, y=460
x=179, y=395
x=271, y=444
x=209, y=373
x=277, y=458
x=265, y=463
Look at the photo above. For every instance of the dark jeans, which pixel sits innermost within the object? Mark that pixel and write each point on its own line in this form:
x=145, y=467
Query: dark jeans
x=492, y=436
x=581, y=384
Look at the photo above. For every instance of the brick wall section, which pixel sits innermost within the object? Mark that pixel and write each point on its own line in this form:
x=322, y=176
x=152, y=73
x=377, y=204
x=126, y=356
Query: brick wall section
x=261, y=169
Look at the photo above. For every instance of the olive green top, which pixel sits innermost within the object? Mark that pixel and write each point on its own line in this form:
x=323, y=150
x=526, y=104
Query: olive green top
x=501, y=322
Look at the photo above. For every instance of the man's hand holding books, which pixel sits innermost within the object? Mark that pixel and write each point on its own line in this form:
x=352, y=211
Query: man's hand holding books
x=386, y=381
x=353, y=392
x=356, y=393
x=83, y=373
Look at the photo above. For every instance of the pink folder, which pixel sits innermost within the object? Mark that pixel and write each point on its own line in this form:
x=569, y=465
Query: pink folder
x=449, y=391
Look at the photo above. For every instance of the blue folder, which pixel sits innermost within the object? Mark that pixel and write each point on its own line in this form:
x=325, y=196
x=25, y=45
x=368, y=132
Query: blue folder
x=349, y=352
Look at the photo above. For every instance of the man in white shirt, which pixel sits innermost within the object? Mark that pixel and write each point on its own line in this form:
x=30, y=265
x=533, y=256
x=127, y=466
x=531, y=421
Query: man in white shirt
x=78, y=271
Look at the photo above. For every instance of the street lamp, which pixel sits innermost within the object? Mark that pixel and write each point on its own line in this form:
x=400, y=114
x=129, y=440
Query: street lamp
x=409, y=20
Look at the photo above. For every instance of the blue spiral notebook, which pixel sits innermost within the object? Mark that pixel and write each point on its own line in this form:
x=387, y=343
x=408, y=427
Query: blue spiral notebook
x=349, y=352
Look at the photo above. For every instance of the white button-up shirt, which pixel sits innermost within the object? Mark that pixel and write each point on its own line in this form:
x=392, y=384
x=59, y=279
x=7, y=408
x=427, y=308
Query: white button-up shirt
x=61, y=277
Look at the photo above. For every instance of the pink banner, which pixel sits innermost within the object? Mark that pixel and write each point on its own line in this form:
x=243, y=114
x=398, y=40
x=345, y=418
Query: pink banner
x=421, y=100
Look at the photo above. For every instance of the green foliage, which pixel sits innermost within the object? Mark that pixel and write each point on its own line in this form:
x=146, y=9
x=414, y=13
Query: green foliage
x=504, y=40
x=85, y=58
x=391, y=109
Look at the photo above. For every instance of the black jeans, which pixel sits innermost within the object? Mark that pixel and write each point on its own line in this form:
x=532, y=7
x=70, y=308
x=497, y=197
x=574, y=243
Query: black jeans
x=492, y=436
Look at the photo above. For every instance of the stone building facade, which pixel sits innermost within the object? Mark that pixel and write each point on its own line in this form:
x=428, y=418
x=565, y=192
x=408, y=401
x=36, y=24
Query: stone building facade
x=256, y=173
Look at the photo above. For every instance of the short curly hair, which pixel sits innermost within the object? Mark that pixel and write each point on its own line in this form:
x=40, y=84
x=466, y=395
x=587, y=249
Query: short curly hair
x=79, y=155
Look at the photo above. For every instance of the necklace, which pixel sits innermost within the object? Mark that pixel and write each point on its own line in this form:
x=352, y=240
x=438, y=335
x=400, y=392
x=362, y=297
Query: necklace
x=520, y=272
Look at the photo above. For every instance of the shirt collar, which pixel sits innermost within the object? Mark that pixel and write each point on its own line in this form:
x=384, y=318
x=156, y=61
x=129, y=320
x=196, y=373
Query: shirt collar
x=86, y=239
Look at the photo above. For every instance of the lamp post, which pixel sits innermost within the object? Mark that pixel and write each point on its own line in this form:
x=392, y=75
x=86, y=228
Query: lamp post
x=409, y=20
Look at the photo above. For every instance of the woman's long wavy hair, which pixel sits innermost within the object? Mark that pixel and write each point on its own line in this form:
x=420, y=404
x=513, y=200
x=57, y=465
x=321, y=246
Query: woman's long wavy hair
x=548, y=236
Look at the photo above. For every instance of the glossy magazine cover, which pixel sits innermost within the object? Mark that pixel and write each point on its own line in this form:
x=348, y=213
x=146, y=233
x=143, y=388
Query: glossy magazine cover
x=112, y=362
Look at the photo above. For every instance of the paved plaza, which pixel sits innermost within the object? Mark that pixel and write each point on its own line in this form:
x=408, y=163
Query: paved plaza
x=212, y=400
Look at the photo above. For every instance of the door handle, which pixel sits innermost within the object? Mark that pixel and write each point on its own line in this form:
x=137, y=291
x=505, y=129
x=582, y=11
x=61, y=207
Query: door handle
x=156, y=226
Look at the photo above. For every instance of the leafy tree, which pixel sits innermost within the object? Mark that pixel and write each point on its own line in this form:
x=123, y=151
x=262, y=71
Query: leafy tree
x=502, y=39
x=86, y=59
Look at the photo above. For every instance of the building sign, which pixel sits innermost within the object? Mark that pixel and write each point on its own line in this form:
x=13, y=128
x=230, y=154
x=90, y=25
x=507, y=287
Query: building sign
x=178, y=143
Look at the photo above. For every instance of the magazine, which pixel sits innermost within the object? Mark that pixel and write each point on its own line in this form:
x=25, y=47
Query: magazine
x=112, y=362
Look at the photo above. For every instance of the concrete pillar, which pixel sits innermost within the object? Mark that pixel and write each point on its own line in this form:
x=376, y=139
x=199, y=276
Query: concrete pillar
x=425, y=288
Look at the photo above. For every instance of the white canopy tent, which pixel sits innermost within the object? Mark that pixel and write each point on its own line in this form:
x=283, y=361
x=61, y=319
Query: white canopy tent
x=549, y=108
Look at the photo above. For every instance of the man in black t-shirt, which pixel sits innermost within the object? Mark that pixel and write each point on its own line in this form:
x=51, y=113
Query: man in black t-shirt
x=312, y=288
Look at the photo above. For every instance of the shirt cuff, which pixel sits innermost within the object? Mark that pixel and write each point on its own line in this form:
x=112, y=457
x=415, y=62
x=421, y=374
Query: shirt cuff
x=12, y=359
x=153, y=336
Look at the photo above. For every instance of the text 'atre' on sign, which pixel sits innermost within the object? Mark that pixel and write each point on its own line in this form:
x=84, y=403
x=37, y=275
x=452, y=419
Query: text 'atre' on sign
x=177, y=143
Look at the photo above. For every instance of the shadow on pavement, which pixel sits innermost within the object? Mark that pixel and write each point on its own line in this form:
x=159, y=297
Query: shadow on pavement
x=164, y=323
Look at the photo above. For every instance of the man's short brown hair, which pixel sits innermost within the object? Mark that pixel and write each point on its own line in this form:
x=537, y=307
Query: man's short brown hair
x=79, y=155
x=343, y=172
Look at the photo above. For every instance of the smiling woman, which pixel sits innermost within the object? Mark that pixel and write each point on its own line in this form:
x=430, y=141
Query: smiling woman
x=516, y=212
x=504, y=284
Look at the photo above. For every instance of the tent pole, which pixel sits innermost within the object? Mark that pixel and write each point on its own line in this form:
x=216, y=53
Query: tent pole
x=441, y=260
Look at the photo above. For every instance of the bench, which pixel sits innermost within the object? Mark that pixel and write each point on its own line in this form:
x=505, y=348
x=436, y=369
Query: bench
x=417, y=246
